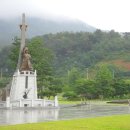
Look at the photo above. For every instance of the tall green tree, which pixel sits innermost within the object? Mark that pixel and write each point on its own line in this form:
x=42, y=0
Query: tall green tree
x=14, y=53
x=86, y=88
x=121, y=87
x=71, y=79
x=42, y=59
x=103, y=81
x=52, y=87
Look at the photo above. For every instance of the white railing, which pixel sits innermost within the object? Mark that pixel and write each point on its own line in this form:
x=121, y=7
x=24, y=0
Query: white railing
x=29, y=103
x=49, y=103
x=2, y=104
x=15, y=103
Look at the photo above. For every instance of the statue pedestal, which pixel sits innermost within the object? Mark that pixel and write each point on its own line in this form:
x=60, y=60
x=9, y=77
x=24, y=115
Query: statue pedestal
x=23, y=92
x=24, y=86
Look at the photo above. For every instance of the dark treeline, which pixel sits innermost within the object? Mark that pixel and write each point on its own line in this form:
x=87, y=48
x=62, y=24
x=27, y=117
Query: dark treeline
x=75, y=64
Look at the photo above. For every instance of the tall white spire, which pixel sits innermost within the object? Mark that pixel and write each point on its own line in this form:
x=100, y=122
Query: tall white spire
x=23, y=28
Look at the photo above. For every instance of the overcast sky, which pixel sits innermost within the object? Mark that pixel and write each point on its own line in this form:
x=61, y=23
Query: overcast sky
x=102, y=14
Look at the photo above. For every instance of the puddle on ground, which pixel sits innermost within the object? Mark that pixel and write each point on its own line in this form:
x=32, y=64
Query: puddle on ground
x=15, y=116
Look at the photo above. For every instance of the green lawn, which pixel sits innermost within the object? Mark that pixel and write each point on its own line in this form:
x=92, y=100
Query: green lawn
x=79, y=102
x=119, y=122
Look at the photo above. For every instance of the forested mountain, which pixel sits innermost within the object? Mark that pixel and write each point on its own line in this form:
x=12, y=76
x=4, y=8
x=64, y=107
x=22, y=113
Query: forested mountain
x=36, y=26
x=83, y=50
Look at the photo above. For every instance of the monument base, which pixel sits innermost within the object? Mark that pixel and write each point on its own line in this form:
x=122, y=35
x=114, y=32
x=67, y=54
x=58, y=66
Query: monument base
x=23, y=92
x=24, y=85
x=24, y=103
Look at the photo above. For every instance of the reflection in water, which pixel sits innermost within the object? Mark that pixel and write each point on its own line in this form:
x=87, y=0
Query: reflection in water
x=92, y=111
x=14, y=116
x=27, y=116
x=129, y=108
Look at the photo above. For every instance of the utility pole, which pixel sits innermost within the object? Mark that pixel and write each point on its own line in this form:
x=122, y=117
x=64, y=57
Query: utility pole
x=1, y=73
x=113, y=74
x=87, y=73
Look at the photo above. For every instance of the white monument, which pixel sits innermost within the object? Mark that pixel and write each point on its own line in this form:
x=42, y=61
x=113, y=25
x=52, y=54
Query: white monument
x=23, y=92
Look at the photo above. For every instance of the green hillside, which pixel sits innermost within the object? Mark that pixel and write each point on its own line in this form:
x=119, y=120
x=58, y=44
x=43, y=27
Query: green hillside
x=84, y=50
x=78, y=65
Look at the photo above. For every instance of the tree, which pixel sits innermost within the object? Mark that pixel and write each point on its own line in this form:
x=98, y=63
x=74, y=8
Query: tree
x=85, y=88
x=42, y=61
x=52, y=87
x=73, y=76
x=41, y=57
x=103, y=81
x=69, y=89
x=121, y=88
x=14, y=53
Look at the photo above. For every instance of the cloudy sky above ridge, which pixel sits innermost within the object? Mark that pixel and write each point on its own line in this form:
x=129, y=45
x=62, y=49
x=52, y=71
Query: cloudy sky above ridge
x=102, y=14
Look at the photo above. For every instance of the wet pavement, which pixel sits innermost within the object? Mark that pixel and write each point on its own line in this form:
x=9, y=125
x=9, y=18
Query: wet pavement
x=16, y=116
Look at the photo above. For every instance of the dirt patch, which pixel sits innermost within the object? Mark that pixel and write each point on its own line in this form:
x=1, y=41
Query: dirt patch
x=122, y=64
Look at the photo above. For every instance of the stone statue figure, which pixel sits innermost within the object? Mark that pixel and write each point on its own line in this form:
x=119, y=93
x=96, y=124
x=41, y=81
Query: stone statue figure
x=26, y=63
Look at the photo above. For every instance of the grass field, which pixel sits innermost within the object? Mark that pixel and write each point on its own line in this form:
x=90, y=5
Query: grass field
x=118, y=122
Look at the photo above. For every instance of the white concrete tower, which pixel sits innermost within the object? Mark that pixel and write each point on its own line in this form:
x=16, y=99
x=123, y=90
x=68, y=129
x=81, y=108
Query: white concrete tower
x=23, y=28
x=24, y=83
x=23, y=91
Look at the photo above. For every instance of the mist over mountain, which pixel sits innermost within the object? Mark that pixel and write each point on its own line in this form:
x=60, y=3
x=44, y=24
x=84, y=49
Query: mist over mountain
x=36, y=26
